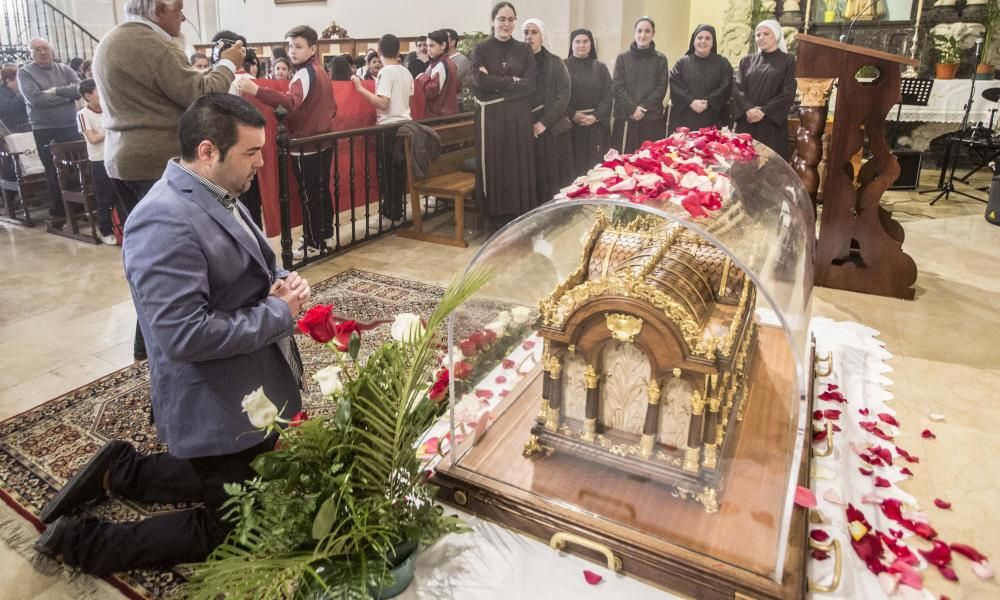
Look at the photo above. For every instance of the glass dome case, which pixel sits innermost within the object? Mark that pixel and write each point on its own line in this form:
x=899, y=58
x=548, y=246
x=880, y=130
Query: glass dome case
x=634, y=379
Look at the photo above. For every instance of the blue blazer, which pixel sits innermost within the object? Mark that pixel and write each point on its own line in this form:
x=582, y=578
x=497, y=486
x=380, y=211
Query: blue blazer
x=200, y=286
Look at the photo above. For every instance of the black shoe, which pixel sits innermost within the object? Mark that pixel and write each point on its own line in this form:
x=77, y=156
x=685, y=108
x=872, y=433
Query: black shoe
x=87, y=484
x=50, y=542
x=138, y=356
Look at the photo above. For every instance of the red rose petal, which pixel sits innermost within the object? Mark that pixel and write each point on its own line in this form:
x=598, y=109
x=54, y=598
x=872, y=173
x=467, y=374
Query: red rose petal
x=835, y=427
x=887, y=418
x=528, y=345
x=906, y=471
x=832, y=387
x=939, y=555
x=591, y=577
x=927, y=434
x=501, y=379
x=882, y=482
x=805, y=497
x=817, y=415
x=484, y=394
x=819, y=535
x=968, y=552
x=819, y=555
x=942, y=504
x=865, y=471
x=831, y=414
x=507, y=363
x=819, y=436
x=948, y=573
x=863, y=412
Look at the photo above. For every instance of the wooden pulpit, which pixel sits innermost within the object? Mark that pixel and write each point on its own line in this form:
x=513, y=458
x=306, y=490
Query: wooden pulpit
x=860, y=246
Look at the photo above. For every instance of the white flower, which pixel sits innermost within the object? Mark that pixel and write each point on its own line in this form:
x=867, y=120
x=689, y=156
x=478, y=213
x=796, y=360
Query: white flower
x=260, y=410
x=329, y=380
x=497, y=327
x=504, y=318
x=456, y=355
x=521, y=315
x=407, y=328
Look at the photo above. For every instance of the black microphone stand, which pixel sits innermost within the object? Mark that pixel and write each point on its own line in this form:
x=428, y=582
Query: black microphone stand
x=946, y=182
x=845, y=38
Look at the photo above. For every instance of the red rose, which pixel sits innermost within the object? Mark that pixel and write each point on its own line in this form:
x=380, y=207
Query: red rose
x=468, y=347
x=318, y=323
x=342, y=335
x=478, y=339
x=462, y=369
x=440, y=387
x=299, y=418
x=489, y=336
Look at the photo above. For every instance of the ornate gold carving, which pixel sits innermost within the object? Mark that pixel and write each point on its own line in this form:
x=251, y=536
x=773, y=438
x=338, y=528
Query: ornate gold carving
x=589, y=430
x=815, y=91
x=724, y=280
x=653, y=392
x=711, y=458
x=713, y=404
x=646, y=445
x=697, y=404
x=726, y=347
x=623, y=328
x=544, y=412
x=709, y=499
x=460, y=498
x=590, y=377
x=571, y=349
x=533, y=447
x=691, y=459
x=552, y=419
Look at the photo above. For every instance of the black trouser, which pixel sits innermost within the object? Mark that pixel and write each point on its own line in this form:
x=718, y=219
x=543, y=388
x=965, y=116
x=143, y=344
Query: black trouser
x=251, y=200
x=43, y=138
x=99, y=547
x=391, y=177
x=129, y=193
x=106, y=198
x=312, y=171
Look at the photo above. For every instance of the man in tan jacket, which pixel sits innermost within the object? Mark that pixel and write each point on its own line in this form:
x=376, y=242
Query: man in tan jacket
x=146, y=82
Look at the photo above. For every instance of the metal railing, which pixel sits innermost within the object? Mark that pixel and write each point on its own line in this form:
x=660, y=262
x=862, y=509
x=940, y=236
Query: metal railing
x=353, y=203
x=24, y=20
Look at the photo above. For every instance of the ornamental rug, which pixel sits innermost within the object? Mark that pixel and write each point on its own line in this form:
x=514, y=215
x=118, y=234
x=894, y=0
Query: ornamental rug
x=41, y=448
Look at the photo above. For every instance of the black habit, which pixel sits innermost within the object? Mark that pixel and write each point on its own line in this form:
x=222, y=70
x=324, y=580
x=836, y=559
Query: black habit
x=505, y=144
x=640, y=80
x=553, y=149
x=590, y=93
x=700, y=78
x=766, y=80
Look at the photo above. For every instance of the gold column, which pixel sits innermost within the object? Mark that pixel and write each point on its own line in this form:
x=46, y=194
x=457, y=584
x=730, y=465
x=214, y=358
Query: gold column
x=554, y=413
x=590, y=380
x=693, y=451
x=710, y=457
x=652, y=419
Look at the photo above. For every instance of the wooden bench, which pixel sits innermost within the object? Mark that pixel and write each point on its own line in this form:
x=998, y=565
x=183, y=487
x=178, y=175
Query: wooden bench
x=20, y=191
x=77, y=187
x=444, y=179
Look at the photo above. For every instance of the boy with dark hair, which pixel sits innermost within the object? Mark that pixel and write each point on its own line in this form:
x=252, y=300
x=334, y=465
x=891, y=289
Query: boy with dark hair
x=88, y=121
x=391, y=100
x=311, y=109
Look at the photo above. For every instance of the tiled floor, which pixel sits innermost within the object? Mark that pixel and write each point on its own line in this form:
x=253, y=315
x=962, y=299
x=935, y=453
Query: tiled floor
x=66, y=319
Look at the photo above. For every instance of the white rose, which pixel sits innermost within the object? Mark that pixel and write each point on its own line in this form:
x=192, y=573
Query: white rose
x=504, y=318
x=407, y=328
x=497, y=327
x=456, y=356
x=521, y=315
x=260, y=410
x=329, y=380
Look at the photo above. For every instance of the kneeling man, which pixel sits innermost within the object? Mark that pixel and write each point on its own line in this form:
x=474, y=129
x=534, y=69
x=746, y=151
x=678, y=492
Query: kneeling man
x=217, y=315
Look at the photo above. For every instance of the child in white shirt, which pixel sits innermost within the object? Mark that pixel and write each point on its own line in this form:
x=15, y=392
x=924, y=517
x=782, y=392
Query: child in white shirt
x=88, y=121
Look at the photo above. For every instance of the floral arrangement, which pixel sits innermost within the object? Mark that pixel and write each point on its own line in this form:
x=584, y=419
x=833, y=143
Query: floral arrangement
x=342, y=499
x=481, y=350
x=687, y=168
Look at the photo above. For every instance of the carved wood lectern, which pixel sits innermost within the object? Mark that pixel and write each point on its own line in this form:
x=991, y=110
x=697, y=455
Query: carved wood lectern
x=860, y=245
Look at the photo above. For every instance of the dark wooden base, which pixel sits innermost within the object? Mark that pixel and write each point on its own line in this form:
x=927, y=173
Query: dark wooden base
x=82, y=237
x=661, y=538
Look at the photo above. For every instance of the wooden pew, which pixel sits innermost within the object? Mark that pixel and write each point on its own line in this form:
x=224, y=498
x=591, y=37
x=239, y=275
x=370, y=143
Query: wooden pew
x=444, y=179
x=77, y=186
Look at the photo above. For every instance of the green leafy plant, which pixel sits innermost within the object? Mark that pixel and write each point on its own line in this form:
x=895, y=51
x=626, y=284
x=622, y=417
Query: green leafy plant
x=760, y=10
x=948, y=49
x=340, y=494
x=992, y=27
x=468, y=42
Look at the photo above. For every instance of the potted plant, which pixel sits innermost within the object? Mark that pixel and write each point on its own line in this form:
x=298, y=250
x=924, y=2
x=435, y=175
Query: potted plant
x=949, y=56
x=984, y=70
x=341, y=505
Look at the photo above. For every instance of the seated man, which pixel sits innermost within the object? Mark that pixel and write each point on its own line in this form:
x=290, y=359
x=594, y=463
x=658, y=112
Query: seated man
x=217, y=316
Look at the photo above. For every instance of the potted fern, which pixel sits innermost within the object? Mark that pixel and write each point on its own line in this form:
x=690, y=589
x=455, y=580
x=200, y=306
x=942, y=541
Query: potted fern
x=984, y=70
x=949, y=56
x=340, y=506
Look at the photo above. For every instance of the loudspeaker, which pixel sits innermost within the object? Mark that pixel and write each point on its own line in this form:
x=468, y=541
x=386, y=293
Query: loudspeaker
x=909, y=169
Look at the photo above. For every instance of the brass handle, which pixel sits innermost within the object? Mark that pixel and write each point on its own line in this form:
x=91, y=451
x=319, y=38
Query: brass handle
x=829, y=442
x=558, y=542
x=834, y=547
x=827, y=359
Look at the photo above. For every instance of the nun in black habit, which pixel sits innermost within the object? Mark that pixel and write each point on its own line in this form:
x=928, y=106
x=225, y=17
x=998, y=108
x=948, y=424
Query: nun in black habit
x=551, y=126
x=639, y=85
x=764, y=89
x=589, y=102
x=700, y=84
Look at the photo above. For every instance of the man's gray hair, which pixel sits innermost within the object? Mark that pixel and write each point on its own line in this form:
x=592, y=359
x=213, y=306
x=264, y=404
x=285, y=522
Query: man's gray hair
x=147, y=8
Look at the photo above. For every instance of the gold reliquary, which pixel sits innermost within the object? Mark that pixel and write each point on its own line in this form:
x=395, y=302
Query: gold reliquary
x=646, y=348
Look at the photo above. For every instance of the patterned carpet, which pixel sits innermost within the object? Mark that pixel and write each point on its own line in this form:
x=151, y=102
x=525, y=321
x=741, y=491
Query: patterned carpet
x=43, y=447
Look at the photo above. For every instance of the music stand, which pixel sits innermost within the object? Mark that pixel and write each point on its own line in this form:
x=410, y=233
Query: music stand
x=912, y=92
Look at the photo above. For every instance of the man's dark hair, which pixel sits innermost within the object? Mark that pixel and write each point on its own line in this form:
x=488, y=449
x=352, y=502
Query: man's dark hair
x=440, y=36
x=87, y=86
x=340, y=69
x=453, y=36
x=215, y=117
x=250, y=58
x=279, y=52
x=198, y=56
x=388, y=45
x=305, y=32
x=74, y=63
x=225, y=34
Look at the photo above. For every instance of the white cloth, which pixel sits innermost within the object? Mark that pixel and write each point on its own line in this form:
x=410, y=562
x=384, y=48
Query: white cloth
x=234, y=89
x=537, y=23
x=945, y=105
x=87, y=119
x=775, y=28
x=395, y=83
x=24, y=143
